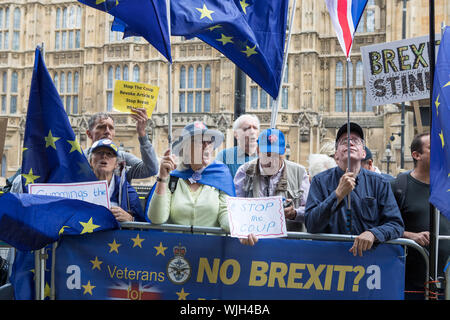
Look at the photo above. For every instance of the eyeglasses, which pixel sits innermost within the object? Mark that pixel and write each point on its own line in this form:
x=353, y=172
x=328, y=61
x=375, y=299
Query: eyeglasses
x=354, y=140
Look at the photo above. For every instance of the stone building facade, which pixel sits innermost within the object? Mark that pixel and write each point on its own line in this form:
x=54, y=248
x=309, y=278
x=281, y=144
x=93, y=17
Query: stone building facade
x=84, y=58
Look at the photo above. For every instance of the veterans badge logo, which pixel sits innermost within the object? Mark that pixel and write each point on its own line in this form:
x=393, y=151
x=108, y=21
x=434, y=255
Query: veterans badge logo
x=178, y=268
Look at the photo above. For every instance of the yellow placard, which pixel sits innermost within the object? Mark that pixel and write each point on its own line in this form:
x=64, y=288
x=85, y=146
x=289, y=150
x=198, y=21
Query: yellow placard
x=128, y=95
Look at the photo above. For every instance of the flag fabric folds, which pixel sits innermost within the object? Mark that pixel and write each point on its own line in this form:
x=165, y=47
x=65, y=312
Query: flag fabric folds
x=30, y=222
x=248, y=32
x=440, y=129
x=139, y=18
x=345, y=16
x=51, y=152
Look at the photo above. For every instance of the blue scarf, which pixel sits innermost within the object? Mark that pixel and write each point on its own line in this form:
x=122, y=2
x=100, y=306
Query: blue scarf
x=216, y=175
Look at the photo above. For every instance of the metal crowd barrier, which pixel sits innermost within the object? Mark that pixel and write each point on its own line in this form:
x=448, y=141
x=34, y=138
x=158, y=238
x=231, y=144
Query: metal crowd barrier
x=40, y=254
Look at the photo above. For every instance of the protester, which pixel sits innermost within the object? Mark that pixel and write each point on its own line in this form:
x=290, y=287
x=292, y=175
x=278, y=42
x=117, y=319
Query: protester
x=412, y=190
x=202, y=185
x=319, y=162
x=246, y=129
x=101, y=126
x=272, y=175
x=124, y=200
x=374, y=215
x=367, y=163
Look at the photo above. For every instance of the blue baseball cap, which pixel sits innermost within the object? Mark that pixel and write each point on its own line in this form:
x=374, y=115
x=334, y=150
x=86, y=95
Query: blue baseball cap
x=105, y=143
x=272, y=140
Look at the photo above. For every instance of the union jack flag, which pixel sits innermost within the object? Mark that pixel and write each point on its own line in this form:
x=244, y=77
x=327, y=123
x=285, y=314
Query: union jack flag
x=133, y=291
x=345, y=16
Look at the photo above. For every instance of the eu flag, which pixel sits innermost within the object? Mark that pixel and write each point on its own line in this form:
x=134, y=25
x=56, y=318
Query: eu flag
x=51, y=153
x=440, y=130
x=250, y=33
x=136, y=17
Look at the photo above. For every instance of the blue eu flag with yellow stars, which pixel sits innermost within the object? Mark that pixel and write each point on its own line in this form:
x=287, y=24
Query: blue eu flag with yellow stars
x=51, y=152
x=147, y=19
x=251, y=33
x=440, y=130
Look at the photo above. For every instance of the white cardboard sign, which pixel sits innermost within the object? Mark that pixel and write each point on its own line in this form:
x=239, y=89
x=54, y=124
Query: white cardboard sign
x=264, y=217
x=93, y=191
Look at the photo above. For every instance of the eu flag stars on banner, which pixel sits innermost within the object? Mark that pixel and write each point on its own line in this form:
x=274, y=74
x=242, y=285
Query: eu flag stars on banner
x=142, y=18
x=440, y=132
x=250, y=33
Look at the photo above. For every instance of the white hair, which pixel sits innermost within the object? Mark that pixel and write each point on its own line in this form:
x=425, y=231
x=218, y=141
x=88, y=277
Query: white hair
x=319, y=163
x=238, y=122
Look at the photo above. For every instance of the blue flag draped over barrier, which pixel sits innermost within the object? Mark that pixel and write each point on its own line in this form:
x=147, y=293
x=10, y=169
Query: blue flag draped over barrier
x=130, y=264
x=250, y=33
x=51, y=154
x=142, y=18
x=440, y=132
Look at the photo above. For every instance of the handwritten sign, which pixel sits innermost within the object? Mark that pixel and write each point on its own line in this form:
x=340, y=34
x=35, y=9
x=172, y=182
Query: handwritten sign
x=264, y=217
x=397, y=71
x=129, y=95
x=94, y=191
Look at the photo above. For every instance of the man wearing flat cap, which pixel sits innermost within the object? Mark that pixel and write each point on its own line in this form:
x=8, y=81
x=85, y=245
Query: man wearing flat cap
x=373, y=215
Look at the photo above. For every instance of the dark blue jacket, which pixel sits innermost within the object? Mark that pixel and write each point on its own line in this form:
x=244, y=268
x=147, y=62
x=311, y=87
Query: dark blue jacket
x=132, y=204
x=373, y=206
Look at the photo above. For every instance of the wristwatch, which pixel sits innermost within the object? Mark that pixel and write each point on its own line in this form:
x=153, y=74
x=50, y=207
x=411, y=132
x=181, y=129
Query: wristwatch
x=158, y=179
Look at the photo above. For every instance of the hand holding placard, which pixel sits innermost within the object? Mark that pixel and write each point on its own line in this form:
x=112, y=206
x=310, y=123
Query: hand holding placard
x=263, y=217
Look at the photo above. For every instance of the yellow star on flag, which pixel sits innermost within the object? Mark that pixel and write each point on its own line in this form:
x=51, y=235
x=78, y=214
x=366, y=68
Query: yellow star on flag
x=61, y=231
x=114, y=246
x=217, y=26
x=75, y=146
x=50, y=140
x=30, y=177
x=96, y=263
x=250, y=51
x=441, y=135
x=47, y=290
x=137, y=242
x=205, y=12
x=446, y=85
x=160, y=249
x=224, y=39
x=102, y=1
x=244, y=5
x=24, y=149
x=88, y=288
x=182, y=295
x=437, y=103
x=88, y=227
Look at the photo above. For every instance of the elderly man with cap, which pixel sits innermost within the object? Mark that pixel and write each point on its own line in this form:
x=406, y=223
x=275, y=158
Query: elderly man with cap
x=125, y=204
x=373, y=215
x=272, y=175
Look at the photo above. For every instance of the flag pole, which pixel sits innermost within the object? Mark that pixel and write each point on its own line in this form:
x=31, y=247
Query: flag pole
x=349, y=169
x=169, y=79
x=432, y=211
x=276, y=102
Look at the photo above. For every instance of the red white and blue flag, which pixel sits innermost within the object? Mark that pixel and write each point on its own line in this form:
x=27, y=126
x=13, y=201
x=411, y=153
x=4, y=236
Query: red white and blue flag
x=345, y=16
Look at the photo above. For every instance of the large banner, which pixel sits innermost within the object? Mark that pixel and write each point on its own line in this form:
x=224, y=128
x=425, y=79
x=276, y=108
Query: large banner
x=129, y=264
x=397, y=71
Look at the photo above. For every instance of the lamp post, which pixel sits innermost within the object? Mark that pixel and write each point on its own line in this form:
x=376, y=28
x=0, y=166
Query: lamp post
x=388, y=153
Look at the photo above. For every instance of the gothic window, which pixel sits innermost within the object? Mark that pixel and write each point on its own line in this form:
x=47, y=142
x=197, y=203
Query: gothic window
x=260, y=99
x=68, y=84
x=68, y=27
x=194, y=93
x=4, y=92
x=356, y=88
x=14, y=92
x=4, y=27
